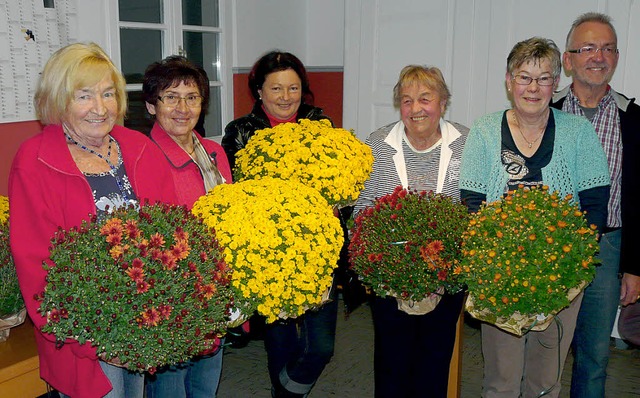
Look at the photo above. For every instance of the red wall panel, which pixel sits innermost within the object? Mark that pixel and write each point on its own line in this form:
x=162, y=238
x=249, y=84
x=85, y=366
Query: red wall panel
x=11, y=136
x=326, y=88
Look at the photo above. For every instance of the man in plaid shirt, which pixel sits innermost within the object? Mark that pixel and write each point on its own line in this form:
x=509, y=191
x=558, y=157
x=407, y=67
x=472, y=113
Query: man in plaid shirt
x=591, y=57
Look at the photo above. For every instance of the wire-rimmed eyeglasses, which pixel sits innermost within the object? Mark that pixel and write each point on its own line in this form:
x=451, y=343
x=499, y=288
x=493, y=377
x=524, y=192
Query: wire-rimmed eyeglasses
x=192, y=101
x=525, y=80
x=591, y=50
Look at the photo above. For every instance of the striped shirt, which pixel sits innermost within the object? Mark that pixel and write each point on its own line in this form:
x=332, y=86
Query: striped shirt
x=397, y=164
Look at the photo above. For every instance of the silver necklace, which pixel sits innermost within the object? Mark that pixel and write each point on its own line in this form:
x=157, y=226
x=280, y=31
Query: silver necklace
x=529, y=143
x=113, y=169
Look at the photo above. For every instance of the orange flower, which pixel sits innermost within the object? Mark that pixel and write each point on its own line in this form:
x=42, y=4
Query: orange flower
x=112, y=226
x=150, y=317
x=180, y=249
x=156, y=240
x=116, y=252
x=209, y=290
x=135, y=273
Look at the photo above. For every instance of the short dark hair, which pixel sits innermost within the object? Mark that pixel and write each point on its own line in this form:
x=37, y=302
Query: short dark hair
x=170, y=72
x=276, y=61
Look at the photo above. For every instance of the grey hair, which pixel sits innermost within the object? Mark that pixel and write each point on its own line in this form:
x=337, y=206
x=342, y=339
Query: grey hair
x=590, y=17
x=429, y=76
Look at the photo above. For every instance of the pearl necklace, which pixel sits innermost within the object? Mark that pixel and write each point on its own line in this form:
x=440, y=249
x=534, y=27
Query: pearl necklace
x=529, y=143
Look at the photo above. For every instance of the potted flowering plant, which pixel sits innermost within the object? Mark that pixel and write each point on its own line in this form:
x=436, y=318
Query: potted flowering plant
x=280, y=238
x=408, y=245
x=146, y=287
x=526, y=257
x=332, y=160
x=12, y=311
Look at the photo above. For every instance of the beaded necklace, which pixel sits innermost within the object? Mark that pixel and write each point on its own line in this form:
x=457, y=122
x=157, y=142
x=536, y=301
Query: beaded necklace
x=113, y=168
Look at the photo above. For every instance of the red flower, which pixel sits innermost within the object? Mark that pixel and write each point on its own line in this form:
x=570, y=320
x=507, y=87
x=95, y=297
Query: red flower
x=142, y=286
x=151, y=317
x=135, y=273
x=54, y=315
x=133, y=232
x=209, y=290
x=181, y=234
x=165, y=311
x=114, y=239
x=168, y=259
x=442, y=275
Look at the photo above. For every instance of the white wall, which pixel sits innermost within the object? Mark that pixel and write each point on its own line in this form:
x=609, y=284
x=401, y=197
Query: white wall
x=92, y=22
x=313, y=30
x=469, y=41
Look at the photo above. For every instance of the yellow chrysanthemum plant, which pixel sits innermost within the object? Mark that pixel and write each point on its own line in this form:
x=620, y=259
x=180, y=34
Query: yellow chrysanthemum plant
x=526, y=257
x=332, y=160
x=280, y=238
x=12, y=311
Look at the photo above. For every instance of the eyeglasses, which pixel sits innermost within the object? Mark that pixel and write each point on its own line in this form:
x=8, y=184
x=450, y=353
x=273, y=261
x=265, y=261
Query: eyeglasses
x=591, y=50
x=525, y=80
x=192, y=101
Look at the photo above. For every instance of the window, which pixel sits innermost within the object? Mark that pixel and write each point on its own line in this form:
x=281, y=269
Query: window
x=149, y=30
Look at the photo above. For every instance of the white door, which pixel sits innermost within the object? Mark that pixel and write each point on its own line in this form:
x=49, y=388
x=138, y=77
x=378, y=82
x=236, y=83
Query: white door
x=469, y=41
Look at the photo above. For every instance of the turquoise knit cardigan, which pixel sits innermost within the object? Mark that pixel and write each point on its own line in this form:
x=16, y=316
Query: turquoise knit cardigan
x=578, y=162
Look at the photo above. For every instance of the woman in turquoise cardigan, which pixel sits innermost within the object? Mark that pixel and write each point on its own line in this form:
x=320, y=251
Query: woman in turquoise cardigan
x=532, y=145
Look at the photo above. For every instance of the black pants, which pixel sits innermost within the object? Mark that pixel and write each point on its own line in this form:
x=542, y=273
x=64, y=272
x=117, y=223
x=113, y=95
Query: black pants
x=413, y=352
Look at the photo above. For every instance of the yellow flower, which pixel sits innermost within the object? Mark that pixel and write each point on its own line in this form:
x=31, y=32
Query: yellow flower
x=280, y=238
x=332, y=160
x=4, y=209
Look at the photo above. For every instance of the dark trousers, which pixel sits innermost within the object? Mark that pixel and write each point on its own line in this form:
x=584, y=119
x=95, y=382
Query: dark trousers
x=413, y=352
x=299, y=349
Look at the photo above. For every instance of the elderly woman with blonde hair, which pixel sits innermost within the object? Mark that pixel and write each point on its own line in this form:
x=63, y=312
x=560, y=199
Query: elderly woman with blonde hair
x=81, y=164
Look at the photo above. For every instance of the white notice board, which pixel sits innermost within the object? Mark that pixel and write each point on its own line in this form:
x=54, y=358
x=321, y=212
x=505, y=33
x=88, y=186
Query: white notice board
x=29, y=34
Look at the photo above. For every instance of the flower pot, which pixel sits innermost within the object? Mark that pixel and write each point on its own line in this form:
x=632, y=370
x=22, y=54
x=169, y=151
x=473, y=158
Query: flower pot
x=423, y=306
x=519, y=324
x=11, y=321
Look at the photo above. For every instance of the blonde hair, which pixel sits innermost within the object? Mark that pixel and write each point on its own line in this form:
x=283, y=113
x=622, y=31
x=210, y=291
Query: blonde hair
x=70, y=68
x=429, y=76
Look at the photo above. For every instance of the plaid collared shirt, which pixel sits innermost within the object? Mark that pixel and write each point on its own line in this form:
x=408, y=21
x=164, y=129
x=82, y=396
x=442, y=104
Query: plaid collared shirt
x=606, y=121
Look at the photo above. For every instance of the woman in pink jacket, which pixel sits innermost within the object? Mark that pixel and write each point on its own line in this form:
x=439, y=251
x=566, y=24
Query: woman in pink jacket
x=176, y=93
x=81, y=164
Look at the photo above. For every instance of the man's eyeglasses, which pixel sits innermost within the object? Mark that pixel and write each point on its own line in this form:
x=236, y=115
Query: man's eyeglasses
x=192, y=101
x=591, y=50
x=525, y=80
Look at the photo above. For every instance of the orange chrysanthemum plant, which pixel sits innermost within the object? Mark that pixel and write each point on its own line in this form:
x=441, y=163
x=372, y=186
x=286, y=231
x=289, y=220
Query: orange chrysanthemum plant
x=526, y=257
x=408, y=245
x=146, y=287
